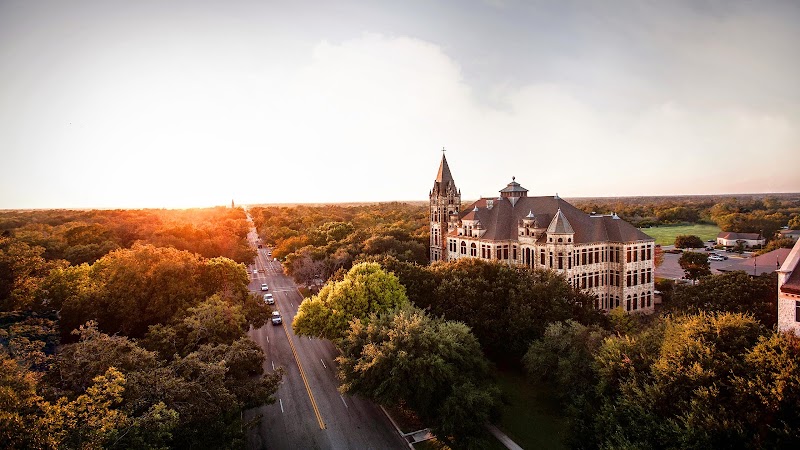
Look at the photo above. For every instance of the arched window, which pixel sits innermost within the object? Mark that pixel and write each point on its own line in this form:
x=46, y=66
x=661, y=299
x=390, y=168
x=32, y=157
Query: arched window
x=635, y=302
x=569, y=239
x=463, y=248
x=560, y=239
x=649, y=297
x=642, y=301
x=473, y=250
x=628, y=305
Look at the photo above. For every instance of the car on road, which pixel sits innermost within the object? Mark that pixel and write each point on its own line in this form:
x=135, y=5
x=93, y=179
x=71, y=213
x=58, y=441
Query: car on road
x=264, y=287
x=715, y=258
x=269, y=299
x=276, y=318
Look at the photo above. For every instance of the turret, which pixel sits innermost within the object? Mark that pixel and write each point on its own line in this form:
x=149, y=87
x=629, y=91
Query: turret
x=445, y=201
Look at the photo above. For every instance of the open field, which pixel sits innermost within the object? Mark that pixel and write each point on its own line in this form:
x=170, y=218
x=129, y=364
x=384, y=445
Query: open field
x=531, y=416
x=665, y=234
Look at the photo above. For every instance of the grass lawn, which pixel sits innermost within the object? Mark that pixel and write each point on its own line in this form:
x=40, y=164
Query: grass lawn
x=532, y=418
x=665, y=234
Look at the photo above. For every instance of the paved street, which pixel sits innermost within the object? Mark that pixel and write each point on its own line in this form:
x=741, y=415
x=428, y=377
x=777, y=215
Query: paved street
x=294, y=421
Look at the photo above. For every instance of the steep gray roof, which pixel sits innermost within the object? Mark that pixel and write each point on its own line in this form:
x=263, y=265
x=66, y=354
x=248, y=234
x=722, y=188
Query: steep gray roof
x=560, y=224
x=501, y=221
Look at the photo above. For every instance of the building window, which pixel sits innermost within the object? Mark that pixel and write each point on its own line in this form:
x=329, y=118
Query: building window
x=628, y=258
x=649, y=255
x=628, y=304
x=560, y=261
x=797, y=311
x=463, y=248
x=473, y=250
x=649, y=298
x=541, y=257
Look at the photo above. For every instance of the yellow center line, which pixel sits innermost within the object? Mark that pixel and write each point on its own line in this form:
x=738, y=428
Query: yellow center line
x=305, y=380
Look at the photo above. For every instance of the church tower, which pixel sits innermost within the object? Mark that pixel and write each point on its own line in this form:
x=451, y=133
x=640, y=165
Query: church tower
x=445, y=203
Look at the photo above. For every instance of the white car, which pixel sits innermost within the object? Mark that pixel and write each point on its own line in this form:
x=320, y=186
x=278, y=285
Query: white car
x=276, y=318
x=268, y=299
x=715, y=258
x=264, y=287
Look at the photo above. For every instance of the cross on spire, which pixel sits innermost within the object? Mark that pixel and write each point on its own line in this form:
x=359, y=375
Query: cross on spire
x=443, y=150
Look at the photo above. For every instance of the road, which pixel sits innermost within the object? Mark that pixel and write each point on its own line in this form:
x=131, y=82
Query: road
x=295, y=421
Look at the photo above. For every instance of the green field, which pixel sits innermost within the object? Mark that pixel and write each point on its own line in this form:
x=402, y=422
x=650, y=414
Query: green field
x=665, y=234
x=532, y=417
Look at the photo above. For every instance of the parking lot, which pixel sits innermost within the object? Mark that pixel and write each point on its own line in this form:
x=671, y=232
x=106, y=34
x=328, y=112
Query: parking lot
x=671, y=269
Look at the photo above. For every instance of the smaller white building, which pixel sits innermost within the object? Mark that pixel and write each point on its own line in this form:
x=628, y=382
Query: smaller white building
x=789, y=292
x=731, y=239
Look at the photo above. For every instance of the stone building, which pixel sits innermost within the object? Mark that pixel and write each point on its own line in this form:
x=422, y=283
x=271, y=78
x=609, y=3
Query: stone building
x=601, y=254
x=789, y=292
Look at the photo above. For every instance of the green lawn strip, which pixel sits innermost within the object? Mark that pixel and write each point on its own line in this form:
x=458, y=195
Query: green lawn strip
x=531, y=415
x=665, y=234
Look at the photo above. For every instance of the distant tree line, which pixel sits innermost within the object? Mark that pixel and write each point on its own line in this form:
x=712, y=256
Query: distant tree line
x=315, y=241
x=85, y=236
x=746, y=214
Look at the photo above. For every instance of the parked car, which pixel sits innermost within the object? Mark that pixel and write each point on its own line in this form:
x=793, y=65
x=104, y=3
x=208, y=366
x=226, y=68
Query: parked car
x=715, y=258
x=264, y=287
x=276, y=318
x=268, y=299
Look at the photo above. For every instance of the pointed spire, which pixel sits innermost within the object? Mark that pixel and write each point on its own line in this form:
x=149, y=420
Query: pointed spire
x=444, y=171
x=560, y=224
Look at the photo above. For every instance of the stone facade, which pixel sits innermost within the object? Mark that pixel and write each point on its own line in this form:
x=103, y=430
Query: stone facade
x=601, y=254
x=789, y=292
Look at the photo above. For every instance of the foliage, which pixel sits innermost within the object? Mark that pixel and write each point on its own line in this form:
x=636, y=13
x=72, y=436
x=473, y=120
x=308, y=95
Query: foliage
x=786, y=242
x=365, y=289
x=708, y=380
x=433, y=366
x=688, y=241
x=128, y=290
x=506, y=307
x=86, y=236
x=734, y=292
x=695, y=265
x=22, y=269
x=315, y=242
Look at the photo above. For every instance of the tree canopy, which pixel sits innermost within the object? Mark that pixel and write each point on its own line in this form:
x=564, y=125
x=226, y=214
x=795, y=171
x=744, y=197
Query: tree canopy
x=365, y=289
x=694, y=265
x=433, y=366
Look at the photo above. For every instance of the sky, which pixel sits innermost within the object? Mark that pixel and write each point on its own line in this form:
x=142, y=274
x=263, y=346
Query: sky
x=166, y=104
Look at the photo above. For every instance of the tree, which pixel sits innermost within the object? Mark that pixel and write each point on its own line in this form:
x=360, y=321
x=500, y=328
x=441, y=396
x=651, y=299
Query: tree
x=433, y=366
x=775, y=244
x=734, y=292
x=794, y=222
x=365, y=289
x=675, y=388
x=695, y=265
x=688, y=241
